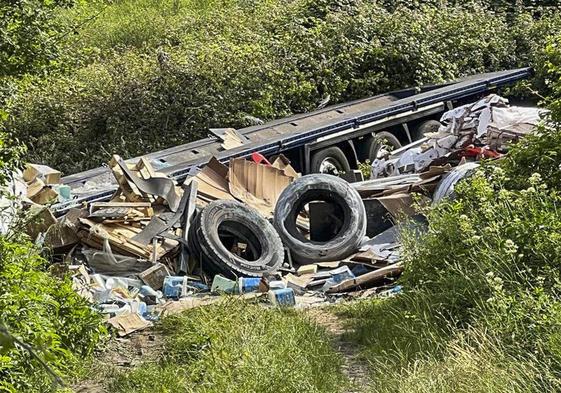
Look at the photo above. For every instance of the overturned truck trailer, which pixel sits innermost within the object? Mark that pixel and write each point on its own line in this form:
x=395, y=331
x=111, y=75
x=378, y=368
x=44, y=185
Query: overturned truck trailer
x=330, y=140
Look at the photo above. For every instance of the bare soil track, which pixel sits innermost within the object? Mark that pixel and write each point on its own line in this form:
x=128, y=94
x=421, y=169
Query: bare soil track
x=354, y=367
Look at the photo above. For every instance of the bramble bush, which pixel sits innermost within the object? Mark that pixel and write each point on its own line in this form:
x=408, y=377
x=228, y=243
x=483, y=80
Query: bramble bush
x=145, y=74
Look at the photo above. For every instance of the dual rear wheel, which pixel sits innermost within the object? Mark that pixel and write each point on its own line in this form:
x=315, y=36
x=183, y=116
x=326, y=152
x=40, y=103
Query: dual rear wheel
x=332, y=160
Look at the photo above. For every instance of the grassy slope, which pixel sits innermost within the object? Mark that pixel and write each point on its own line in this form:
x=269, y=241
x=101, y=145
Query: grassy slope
x=234, y=346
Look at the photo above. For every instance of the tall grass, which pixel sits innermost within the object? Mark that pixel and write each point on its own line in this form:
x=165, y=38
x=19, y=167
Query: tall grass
x=238, y=347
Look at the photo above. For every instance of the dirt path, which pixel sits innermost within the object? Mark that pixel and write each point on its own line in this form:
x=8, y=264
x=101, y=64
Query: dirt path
x=124, y=354
x=355, y=368
x=121, y=354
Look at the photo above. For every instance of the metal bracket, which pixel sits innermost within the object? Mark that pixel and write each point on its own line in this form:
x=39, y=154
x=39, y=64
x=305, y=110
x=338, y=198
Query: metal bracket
x=407, y=132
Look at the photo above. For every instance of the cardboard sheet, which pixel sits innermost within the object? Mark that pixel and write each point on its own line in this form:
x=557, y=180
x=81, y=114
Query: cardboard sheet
x=212, y=182
x=258, y=185
x=128, y=323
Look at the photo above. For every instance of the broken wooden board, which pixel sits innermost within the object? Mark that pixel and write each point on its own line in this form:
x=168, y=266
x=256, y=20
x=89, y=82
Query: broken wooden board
x=121, y=209
x=120, y=237
x=368, y=279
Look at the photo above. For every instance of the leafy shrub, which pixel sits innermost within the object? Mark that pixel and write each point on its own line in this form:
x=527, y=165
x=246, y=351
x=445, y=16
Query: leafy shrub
x=541, y=152
x=29, y=35
x=43, y=312
x=481, y=308
x=216, y=64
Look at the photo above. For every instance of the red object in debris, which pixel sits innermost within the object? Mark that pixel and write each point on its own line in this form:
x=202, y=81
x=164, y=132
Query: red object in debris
x=479, y=152
x=258, y=158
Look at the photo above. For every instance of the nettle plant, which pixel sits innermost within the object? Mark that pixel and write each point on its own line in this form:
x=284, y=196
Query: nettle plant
x=491, y=257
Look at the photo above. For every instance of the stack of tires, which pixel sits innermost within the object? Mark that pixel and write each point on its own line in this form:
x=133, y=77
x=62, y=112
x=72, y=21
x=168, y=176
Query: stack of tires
x=233, y=239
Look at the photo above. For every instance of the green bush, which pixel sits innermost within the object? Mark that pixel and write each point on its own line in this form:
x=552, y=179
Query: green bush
x=195, y=65
x=29, y=35
x=481, y=310
x=45, y=313
x=234, y=346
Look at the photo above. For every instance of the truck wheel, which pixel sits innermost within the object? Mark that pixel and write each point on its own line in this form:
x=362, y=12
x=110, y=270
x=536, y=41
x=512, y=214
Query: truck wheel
x=371, y=146
x=233, y=239
x=331, y=161
x=425, y=128
x=330, y=189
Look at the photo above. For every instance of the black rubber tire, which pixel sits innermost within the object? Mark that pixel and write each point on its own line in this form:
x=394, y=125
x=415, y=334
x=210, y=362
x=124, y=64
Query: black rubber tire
x=424, y=128
x=335, y=154
x=375, y=142
x=320, y=187
x=235, y=217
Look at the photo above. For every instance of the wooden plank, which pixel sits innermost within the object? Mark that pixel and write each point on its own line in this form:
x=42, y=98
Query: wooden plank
x=94, y=205
x=368, y=278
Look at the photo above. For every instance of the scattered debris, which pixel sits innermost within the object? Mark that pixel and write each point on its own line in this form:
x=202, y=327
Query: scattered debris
x=158, y=247
x=470, y=132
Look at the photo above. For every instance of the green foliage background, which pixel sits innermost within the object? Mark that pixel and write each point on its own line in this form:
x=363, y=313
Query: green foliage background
x=140, y=75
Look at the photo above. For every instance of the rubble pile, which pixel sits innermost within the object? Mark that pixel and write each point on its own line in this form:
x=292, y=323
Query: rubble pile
x=469, y=132
x=257, y=228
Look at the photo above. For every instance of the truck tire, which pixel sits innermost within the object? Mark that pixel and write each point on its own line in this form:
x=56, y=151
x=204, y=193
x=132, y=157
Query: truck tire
x=330, y=160
x=224, y=224
x=370, y=147
x=425, y=128
x=331, y=189
x=445, y=188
